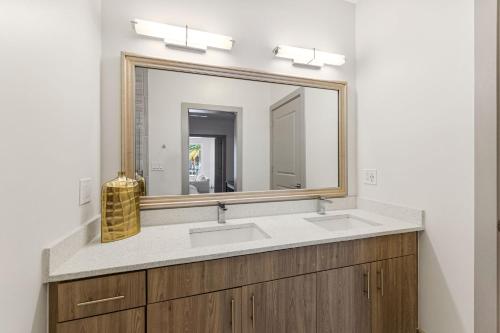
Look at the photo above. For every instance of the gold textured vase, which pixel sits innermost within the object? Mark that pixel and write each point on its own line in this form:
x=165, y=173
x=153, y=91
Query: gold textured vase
x=120, y=213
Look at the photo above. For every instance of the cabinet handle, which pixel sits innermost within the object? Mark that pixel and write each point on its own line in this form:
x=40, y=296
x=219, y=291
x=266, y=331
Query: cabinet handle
x=382, y=281
x=253, y=311
x=232, y=316
x=101, y=300
x=367, y=289
x=368, y=281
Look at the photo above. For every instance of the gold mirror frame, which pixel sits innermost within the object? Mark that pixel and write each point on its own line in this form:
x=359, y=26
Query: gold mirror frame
x=131, y=61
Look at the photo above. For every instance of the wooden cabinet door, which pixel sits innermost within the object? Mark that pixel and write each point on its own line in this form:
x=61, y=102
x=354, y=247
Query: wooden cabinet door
x=344, y=300
x=218, y=312
x=280, y=306
x=394, y=305
x=129, y=321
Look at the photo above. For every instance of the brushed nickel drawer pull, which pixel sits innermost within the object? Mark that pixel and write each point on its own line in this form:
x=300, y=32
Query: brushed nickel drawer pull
x=369, y=280
x=382, y=281
x=232, y=316
x=364, y=283
x=366, y=287
x=379, y=280
x=101, y=301
x=253, y=311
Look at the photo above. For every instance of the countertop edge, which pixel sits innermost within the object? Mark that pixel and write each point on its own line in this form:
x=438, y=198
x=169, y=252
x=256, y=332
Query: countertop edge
x=170, y=262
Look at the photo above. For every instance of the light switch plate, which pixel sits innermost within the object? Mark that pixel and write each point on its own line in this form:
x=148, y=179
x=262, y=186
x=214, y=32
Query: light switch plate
x=85, y=191
x=370, y=176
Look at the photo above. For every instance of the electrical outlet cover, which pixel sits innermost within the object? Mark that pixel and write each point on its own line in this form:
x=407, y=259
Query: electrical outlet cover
x=370, y=176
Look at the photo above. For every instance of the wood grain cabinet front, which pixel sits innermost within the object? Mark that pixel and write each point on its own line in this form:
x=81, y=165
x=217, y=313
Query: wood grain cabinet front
x=379, y=297
x=90, y=297
x=344, y=300
x=218, y=312
x=394, y=304
x=177, y=281
x=359, y=286
x=280, y=306
x=360, y=251
x=129, y=321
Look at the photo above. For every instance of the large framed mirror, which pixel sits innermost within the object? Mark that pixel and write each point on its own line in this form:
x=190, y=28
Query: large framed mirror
x=200, y=134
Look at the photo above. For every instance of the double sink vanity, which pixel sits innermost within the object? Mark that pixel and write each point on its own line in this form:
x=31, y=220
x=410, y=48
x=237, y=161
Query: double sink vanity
x=202, y=137
x=245, y=232
x=344, y=271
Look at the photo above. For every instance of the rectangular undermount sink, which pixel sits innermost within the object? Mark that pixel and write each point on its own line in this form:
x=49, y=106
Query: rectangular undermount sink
x=342, y=222
x=225, y=234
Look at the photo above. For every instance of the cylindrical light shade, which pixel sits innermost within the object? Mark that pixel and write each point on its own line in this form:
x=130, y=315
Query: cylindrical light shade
x=310, y=57
x=182, y=36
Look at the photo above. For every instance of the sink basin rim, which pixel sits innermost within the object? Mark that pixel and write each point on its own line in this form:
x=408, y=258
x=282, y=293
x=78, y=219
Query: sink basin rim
x=226, y=227
x=226, y=234
x=332, y=218
x=341, y=223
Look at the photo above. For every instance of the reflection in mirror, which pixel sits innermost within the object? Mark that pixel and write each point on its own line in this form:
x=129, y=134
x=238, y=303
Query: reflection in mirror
x=200, y=134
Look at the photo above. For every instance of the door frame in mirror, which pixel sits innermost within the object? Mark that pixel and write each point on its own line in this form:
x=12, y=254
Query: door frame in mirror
x=130, y=61
x=238, y=136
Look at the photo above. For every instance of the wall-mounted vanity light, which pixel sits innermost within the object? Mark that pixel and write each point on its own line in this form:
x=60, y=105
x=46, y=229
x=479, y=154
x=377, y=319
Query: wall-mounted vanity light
x=308, y=57
x=183, y=37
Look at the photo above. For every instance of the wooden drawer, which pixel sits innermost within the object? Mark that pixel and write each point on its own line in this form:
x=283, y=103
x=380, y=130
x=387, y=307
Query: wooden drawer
x=367, y=250
x=95, y=296
x=129, y=321
x=207, y=276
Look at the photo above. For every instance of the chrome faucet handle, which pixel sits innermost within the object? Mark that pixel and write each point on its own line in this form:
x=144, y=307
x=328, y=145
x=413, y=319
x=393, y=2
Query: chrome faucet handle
x=325, y=199
x=221, y=212
x=321, y=205
x=222, y=206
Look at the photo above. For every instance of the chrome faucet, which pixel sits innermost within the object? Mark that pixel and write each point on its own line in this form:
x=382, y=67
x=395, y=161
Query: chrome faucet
x=221, y=212
x=321, y=205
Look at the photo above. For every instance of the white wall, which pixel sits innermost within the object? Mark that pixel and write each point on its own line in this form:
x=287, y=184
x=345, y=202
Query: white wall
x=322, y=138
x=49, y=139
x=416, y=125
x=257, y=26
x=485, y=122
x=167, y=92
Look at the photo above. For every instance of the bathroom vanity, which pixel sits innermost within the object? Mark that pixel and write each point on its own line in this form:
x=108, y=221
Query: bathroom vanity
x=343, y=271
x=311, y=278
x=367, y=285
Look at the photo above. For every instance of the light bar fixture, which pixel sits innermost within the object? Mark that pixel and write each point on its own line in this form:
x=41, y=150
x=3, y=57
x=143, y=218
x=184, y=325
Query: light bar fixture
x=183, y=37
x=308, y=57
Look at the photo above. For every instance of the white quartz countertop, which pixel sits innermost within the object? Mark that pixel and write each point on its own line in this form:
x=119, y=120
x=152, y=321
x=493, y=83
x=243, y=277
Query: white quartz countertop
x=166, y=245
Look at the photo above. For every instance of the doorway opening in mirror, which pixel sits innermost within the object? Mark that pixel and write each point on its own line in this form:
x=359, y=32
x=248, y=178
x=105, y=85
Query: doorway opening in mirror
x=212, y=160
